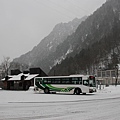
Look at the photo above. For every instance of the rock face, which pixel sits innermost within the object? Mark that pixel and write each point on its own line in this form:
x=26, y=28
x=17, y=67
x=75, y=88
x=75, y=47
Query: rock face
x=95, y=44
x=43, y=55
x=80, y=47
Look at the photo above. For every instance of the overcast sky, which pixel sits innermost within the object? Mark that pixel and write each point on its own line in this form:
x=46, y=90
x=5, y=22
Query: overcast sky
x=24, y=23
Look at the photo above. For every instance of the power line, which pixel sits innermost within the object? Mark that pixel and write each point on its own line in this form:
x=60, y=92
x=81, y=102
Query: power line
x=69, y=10
x=55, y=10
x=78, y=7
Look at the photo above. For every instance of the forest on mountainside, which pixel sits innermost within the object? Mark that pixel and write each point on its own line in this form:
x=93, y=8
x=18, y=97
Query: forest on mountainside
x=105, y=51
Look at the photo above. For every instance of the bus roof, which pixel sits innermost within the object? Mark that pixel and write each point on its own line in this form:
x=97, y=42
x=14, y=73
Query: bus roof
x=78, y=75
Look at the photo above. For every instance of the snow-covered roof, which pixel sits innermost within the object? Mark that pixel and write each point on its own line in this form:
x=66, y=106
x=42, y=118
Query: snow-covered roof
x=30, y=76
x=18, y=77
x=9, y=76
x=3, y=79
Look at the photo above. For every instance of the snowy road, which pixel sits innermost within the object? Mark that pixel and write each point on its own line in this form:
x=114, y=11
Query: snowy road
x=21, y=105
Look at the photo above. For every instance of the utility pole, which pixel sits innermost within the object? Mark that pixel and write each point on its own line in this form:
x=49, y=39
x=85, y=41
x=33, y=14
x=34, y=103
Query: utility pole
x=116, y=77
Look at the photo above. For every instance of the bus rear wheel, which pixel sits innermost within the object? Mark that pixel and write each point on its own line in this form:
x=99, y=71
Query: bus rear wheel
x=77, y=91
x=46, y=90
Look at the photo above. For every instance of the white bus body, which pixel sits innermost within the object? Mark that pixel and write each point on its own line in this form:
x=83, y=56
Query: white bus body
x=75, y=84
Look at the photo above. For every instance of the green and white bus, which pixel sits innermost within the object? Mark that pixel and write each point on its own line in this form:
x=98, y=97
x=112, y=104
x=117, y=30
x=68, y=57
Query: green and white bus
x=75, y=84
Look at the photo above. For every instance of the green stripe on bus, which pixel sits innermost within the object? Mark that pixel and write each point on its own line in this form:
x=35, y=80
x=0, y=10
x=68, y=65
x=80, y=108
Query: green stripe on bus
x=52, y=88
x=60, y=89
x=39, y=86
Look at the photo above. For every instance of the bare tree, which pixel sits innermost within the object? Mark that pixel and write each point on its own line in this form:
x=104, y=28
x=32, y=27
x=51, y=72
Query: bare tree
x=5, y=65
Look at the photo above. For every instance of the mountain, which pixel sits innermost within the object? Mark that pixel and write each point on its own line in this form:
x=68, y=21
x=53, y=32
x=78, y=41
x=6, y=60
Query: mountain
x=95, y=43
x=42, y=55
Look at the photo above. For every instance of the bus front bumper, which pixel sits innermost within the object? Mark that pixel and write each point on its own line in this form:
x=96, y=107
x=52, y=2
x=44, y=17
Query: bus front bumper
x=92, y=90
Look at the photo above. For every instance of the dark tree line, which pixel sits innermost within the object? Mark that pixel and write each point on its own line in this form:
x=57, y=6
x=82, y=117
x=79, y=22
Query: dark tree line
x=95, y=42
x=107, y=50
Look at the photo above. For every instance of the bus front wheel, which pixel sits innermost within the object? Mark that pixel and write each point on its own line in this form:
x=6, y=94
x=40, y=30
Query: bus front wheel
x=77, y=91
x=46, y=90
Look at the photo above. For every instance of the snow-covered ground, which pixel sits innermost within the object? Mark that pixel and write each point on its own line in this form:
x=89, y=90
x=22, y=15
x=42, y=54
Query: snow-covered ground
x=27, y=105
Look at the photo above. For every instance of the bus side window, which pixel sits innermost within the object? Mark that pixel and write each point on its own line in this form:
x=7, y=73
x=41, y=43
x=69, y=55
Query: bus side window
x=41, y=81
x=48, y=81
x=80, y=80
x=75, y=80
x=45, y=80
x=57, y=81
x=62, y=81
x=36, y=80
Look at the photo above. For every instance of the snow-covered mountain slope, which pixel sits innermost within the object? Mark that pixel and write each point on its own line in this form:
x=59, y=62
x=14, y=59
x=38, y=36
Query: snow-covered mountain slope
x=48, y=45
x=95, y=41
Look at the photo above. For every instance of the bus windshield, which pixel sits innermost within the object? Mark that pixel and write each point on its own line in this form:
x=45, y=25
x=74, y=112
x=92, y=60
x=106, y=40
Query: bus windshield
x=90, y=82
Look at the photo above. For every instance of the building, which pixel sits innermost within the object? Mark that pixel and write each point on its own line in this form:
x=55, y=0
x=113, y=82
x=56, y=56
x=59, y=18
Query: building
x=1, y=73
x=21, y=81
x=108, y=77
